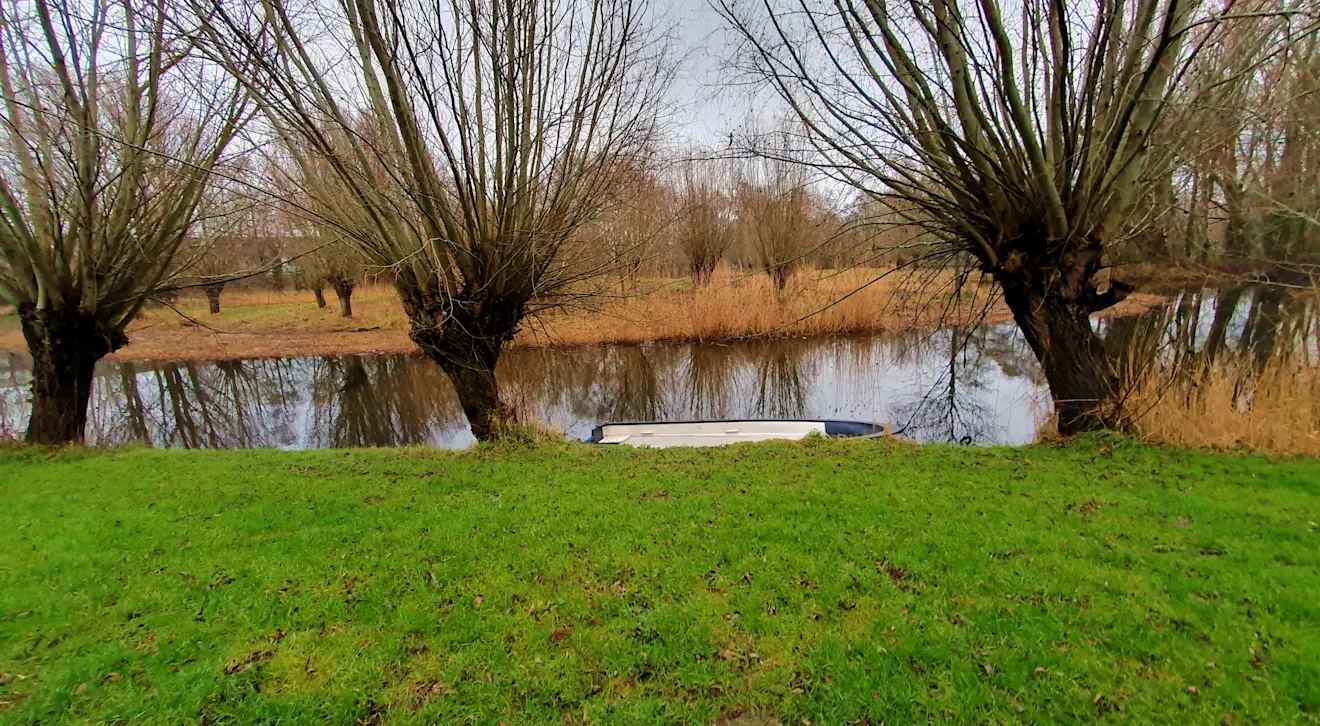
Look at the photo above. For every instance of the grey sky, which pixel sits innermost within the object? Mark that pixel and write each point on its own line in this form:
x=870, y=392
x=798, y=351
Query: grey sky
x=707, y=108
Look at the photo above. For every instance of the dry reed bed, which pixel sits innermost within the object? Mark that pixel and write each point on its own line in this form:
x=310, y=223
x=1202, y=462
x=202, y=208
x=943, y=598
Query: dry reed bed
x=1273, y=408
x=742, y=305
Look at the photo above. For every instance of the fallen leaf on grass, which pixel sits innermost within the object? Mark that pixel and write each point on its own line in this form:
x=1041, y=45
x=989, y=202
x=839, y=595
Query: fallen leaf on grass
x=743, y=717
x=251, y=660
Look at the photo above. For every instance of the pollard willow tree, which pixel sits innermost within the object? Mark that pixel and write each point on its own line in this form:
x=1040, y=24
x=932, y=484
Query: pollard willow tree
x=110, y=135
x=703, y=224
x=1017, y=131
x=468, y=142
x=777, y=211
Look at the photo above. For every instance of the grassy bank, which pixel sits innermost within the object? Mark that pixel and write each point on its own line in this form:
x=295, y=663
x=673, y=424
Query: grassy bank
x=840, y=582
x=265, y=323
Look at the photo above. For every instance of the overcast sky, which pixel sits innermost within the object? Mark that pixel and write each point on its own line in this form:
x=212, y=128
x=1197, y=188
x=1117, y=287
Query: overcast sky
x=706, y=109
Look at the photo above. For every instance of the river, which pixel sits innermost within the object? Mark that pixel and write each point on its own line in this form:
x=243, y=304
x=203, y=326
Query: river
x=968, y=385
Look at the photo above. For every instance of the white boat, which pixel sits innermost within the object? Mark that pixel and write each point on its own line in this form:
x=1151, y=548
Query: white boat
x=660, y=434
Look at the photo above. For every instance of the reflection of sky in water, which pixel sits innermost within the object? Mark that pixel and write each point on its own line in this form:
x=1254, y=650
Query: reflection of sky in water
x=392, y=400
x=888, y=380
x=924, y=384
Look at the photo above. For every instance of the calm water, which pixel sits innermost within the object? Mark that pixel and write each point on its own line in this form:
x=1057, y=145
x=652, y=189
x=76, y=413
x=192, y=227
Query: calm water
x=957, y=384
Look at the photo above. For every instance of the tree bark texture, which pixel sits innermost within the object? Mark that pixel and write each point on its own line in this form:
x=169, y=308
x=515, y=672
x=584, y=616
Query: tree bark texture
x=65, y=344
x=344, y=291
x=1051, y=291
x=467, y=343
x=320, y=296
x=213, y=295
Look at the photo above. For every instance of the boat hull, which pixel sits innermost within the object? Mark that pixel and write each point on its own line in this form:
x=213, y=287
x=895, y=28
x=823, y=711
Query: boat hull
x=663, y=434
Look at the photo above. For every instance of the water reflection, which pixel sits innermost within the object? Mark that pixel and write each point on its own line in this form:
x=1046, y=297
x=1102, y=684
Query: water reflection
x=955, y=407
x=1253, y=323
x=955, y=384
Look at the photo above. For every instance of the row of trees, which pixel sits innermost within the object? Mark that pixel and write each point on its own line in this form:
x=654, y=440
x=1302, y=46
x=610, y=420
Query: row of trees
x=1241, y=187
x=687, y=214
x=1036, y=139
x=696, y=211
x=493, y=157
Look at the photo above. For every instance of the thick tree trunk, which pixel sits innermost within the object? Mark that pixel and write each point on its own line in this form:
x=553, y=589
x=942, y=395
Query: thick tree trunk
x=277, y=275
x=1081, y=376
x=213, y=295
x=478, y=393
x=320, y=296
x=344, y=291
x=1238, y=240
x=1052, y=295
x=467, y=343
x=65, y=346
x=702, y=272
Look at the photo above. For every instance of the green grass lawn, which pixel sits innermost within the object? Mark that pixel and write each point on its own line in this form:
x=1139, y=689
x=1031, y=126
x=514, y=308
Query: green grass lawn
x=833, y=582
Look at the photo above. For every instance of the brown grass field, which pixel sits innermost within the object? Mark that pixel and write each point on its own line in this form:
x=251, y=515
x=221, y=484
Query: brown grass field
x=265, y=323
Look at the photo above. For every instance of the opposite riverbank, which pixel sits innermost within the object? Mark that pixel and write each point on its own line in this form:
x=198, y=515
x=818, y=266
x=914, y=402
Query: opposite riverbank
x=264, y=323
x=833, y=581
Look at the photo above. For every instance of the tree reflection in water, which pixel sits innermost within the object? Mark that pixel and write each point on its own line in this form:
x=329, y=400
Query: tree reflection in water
x=964, y=384
x=196, y=405
x=15, y=378
x=781, y=381
x=380, y=401
x=619, y=383
x=710, y=381
x=1250, y=323
x=960, y=403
